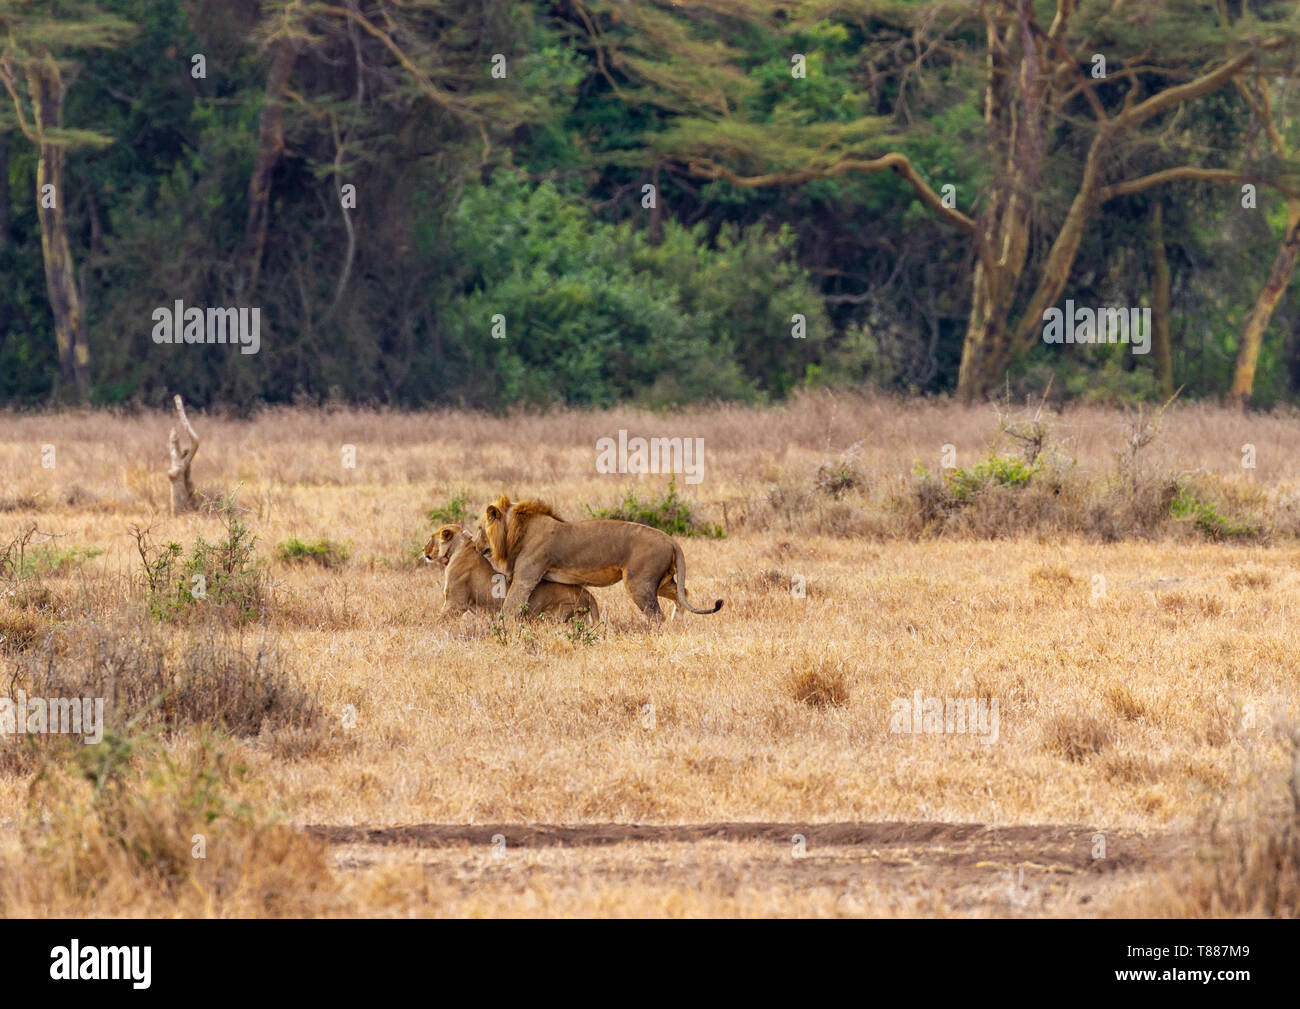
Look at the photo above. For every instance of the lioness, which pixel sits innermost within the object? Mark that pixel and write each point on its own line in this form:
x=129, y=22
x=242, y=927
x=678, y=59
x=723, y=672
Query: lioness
x=468, y=581
x=530, y=542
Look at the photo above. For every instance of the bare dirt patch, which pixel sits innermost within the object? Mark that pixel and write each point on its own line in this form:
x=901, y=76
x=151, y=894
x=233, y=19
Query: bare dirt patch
x=841, y=869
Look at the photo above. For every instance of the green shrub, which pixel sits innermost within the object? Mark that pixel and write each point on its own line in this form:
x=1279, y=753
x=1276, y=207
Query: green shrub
x=456, y=510
x=582, y=630
x=1212, y=524
x=224, y=575
x=1004, y=471
x=670, y=512
x=324, y=552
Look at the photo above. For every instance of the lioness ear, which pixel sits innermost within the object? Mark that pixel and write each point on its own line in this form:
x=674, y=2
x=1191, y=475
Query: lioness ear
x=493, y=513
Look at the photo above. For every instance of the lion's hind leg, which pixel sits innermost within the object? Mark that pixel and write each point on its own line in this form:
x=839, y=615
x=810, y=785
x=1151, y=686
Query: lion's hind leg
x=645, y=595
x=668, y=591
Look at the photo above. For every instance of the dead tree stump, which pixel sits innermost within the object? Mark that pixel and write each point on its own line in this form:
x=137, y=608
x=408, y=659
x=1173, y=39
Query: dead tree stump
x=183, y=496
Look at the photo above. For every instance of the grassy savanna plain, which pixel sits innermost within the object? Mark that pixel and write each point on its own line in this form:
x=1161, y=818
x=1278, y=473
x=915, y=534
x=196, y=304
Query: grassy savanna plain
x=1126, y=595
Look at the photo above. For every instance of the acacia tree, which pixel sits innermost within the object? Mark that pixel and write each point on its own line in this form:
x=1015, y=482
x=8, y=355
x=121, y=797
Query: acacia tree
x=1258, y=94
x=36, y=69
x=361, y=60
x=1056, y=135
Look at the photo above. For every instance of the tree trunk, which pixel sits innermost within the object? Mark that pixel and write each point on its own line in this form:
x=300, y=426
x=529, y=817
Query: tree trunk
x=47, y=92
x=270, y=145
x=1011, y=114
x=1160, y=304
x=4, y=190
x=983, y=353
x=1257, y=319
x=184, y=497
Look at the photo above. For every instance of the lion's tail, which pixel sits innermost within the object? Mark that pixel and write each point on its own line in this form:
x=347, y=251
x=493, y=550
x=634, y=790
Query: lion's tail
x=680, y=563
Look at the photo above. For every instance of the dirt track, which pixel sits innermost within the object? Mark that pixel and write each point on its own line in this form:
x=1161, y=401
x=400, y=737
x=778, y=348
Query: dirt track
x=857, y=868
x=1064, y=846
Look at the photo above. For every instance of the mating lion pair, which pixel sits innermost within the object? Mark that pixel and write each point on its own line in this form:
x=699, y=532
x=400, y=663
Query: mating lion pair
x=547, y=562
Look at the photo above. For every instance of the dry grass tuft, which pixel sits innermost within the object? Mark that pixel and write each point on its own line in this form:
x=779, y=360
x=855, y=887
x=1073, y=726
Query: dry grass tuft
x=1076, y=736
x=1250, y=578
x=1124, y=703
x=20, y=630
x=820, y=685
x=1058, y=575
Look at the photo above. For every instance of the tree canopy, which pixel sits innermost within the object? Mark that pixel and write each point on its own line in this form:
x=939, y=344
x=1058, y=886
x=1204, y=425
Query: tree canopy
x=494, y=202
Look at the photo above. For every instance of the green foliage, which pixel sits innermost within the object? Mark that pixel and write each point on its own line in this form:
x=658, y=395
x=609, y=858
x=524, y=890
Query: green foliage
x=1003, y=471
x=669, y=512
x=582, y=630
x=595, y=313
x=1208, y=520
x=224, y=576
x=500, y=632
x=325, y=552
x=46, y=560
x=456, y=510
x=605, y=300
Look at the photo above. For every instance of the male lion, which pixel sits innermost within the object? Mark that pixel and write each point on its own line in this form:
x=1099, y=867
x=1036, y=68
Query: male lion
x=530, y=542
x=468, y=580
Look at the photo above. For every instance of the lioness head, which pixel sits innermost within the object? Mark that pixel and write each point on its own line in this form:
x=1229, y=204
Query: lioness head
x=444, y=543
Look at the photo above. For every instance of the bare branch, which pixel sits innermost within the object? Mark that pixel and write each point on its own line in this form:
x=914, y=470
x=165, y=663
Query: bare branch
x=1221, y=175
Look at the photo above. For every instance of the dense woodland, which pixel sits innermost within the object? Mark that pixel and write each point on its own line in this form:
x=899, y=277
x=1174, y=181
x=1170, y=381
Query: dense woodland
x=494, y=203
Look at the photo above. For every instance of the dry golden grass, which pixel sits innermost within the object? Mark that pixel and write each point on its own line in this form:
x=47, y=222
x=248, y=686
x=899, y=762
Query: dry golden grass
x=1137, y=681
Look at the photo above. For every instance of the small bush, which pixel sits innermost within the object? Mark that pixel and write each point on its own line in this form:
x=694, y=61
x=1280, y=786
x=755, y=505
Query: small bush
x=670, y=513
x=582, y=630
x=20, y=630
x=1002, y=471
x=29, y=554
x=324, y=552
x=224, y=576
x=840, y=476
x=204, y=675
x=456, y=510
x=1213, y=525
